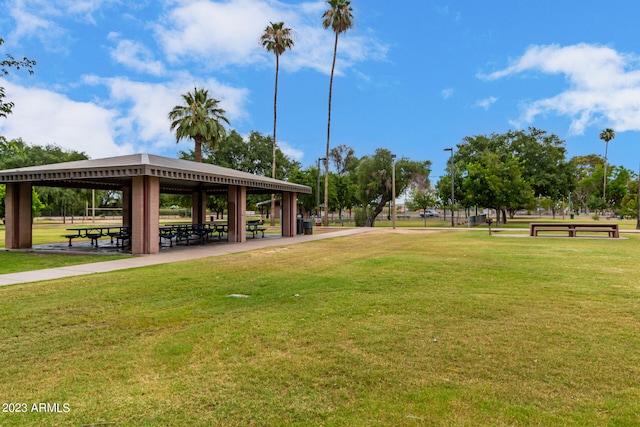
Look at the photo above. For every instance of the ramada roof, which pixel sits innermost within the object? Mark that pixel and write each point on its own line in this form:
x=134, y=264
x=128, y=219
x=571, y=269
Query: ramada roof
x=175, y=175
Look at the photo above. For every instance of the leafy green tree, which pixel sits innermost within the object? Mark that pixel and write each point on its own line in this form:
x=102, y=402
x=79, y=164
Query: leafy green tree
x=277, y=39
x=422, y=198
x=469, y=151
x=496, y=182
x=306, y=177
x=618, y=187
x=346, y=188
x=340, y=19
x=200, y=119
x=539, y=157
x=443, y=189
x=217, y=204
x=344, y=159
x=252, y=155
x=2, y=199
x=36, y=204
x=587, y=169
x=374, y=178
x=544, y=164
x=17, y=154
x=345, y=192
x=629, y=203
x=5, y=66
x=66, y=201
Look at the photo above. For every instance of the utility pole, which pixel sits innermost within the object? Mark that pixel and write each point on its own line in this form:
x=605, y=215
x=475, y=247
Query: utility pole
x=393, y=191
x=453, y=202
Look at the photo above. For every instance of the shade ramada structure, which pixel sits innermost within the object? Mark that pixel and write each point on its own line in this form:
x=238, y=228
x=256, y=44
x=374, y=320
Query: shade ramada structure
x=141, y=178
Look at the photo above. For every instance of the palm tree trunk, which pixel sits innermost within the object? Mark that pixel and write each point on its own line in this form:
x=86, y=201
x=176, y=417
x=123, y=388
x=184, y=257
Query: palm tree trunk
x=273, y=161
x=197, y=151
x=638, y=217
x=326, y=157
x=604, y=185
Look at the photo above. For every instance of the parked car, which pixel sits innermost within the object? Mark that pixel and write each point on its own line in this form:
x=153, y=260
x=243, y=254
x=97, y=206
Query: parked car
x=429, y=213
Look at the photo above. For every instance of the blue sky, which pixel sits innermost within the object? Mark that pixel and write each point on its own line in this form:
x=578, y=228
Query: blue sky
x=413, y=76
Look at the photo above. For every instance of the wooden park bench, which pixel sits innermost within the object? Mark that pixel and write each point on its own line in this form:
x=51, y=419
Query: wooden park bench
x=611, y=229
x=572, y=229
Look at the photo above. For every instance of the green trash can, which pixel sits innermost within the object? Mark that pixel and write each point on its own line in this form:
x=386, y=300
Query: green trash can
x=571, y=216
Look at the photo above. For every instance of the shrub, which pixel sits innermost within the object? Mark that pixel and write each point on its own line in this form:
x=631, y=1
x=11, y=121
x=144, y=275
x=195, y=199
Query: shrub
x=360, y=216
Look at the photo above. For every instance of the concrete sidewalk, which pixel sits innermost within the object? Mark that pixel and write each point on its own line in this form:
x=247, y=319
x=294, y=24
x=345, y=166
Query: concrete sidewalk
x=174, y=254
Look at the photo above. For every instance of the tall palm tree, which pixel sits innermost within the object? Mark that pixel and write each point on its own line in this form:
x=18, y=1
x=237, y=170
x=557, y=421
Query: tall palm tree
x=199, y=119
x=606, y=135
x=277, y=39
x=340, y=19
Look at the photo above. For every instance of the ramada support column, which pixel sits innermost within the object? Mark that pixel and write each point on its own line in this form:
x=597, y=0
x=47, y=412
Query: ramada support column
x=289, y=212
x=199, y=207
x=126, y=206
x=145, y=214
x=18, y=233
x=237, y=214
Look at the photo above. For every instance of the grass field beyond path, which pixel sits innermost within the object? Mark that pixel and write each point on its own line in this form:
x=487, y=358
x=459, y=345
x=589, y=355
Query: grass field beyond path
x=422, y=328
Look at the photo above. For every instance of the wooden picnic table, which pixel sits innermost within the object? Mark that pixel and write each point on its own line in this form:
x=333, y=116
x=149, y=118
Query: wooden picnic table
x=572, y=229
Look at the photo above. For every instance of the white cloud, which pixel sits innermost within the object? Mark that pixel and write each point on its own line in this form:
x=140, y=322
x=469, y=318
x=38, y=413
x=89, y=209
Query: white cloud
x=486, y=103
x=132, y=118
x=136, y=56
x=225, y=33
x=41, y=117
x=290, y=152
x=447, y=93
x=604, y=85
x=39, y=18
x=228, y=33
x=144, y=106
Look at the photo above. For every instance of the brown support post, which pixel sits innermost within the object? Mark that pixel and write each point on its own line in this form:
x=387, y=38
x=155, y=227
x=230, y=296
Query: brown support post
x=199, y=207
x=289, y=212
x=237, y=215
x=145, y=218
x=18, y=233
x=126, y=206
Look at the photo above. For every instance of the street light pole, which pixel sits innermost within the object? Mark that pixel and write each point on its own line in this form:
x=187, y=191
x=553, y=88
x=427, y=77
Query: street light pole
x=393, y=191
x=453, y=202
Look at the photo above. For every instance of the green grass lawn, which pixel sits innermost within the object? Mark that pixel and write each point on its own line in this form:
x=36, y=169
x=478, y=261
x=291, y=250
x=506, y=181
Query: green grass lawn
x=14, y=262
x=388, y=329
x=45, y=232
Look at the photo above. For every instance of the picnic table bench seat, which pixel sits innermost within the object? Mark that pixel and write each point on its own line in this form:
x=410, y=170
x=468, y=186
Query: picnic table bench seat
x=71, y=237
x=167, y=233
x=123, y=237
x=612, y=230
x=254, y=228
x=219, y=228
x=200, y=231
